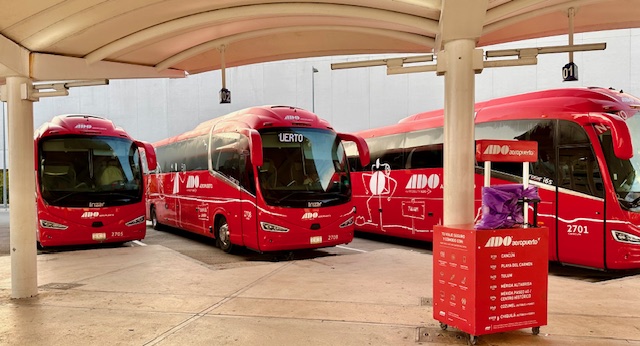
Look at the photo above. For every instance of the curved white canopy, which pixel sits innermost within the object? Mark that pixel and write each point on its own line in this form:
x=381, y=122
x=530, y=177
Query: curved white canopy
x=73, y=39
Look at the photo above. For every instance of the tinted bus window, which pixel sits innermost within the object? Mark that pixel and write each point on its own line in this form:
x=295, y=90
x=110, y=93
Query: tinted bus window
x=577, y=166
x=195, y=152
x=226, y=152
x=428, y=156
x=387, y=149
x=424, y=148
x=530, y=130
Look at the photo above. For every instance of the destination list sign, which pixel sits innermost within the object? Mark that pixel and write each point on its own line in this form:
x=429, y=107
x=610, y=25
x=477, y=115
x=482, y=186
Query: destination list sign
x=490, y=281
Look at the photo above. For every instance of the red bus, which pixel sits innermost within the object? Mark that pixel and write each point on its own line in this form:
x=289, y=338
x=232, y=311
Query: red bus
x=89, y=182
x=266, y=178
x=588, y=172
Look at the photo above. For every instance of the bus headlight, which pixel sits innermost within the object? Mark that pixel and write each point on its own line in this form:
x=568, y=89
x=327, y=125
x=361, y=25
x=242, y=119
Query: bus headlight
x=269, y=227
x=136, y=221
x=52, y=225
x=625, y=237
x=347, y=223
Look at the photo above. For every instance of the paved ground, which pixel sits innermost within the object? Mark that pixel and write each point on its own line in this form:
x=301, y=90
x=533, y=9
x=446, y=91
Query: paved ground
x=155, y=296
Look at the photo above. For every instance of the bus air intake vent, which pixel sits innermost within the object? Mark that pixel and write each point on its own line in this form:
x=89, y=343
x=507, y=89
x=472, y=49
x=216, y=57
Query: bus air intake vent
x=315, y=226
x=97, y=224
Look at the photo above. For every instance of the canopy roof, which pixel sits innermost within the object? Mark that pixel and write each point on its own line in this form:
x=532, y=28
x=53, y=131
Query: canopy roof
x=85, y=39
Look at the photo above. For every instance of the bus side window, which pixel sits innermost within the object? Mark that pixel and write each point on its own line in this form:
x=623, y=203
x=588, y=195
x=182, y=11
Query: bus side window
x=354, y=164
x=388, y=149
x=195, y=153
x=577, y=165
x=395, y=159
x=578, y=171
x=429, y=156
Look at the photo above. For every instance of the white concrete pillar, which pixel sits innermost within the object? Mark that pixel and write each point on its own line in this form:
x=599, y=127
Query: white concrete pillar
x=22, y=207
x=459, y=147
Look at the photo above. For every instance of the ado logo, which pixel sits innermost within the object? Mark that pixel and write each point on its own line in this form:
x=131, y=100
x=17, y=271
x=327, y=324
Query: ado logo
x=193, y=182
x=499, y=241
x=309, y=215
x=89, y=214
x=420, y=181
x=495, y=149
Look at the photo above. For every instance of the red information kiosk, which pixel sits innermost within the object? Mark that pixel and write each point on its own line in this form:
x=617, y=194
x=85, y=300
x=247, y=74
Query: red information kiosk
x=490, y=281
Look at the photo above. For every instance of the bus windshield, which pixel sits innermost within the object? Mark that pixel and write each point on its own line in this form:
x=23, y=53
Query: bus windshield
x=89, y=171
x=303, y=168
x=625, y=174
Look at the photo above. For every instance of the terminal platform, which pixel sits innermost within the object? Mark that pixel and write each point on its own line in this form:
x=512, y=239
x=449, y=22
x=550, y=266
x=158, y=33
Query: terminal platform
x=152, y=295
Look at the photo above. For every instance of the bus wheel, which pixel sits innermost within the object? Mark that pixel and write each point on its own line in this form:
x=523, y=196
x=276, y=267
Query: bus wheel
x=222, y=236
x=154, y=219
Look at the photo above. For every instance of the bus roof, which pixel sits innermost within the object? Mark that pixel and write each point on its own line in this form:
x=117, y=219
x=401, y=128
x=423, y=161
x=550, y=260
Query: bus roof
x=259, y=117
x=563, y=103
x=80, y=124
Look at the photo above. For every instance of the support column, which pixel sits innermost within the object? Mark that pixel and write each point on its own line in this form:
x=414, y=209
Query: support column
x=22, y=209
x=459, y=144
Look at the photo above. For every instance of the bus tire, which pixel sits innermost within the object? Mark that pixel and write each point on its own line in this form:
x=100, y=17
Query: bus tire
x=222, y=235
x=154, y=219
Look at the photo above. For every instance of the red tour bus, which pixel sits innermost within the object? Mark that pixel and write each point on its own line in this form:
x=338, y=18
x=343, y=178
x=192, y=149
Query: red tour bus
x=89, y=182
x=588, y=172
x=267, y=178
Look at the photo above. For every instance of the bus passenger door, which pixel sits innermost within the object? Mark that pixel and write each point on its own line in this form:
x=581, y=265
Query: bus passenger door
x=580, y=208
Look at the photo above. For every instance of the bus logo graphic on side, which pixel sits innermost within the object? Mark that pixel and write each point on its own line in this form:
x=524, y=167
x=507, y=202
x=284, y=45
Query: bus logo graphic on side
x=193, y=182
x=417, y=182
x=420, y=181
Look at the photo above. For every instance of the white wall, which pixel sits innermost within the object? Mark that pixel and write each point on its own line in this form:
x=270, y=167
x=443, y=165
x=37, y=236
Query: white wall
x=351, y=100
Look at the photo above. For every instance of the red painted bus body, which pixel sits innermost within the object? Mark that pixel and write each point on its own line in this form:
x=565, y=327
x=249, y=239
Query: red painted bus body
x=89, y=182
x=588, y=172
x=267, y=178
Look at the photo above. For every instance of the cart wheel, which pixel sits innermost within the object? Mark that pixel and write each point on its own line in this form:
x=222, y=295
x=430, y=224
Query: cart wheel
x=473, y=340
x=535, y=330
x=443, y=326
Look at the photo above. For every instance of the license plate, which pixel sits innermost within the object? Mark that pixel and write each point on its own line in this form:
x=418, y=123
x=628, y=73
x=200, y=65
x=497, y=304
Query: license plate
x=99, y=236
x=315, y=240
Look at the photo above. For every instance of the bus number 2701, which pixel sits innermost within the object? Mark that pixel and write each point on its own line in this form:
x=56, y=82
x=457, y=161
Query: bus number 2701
x=577, y=229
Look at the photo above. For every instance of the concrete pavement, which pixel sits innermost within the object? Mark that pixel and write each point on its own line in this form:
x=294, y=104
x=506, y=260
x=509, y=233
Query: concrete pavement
x=153, y=295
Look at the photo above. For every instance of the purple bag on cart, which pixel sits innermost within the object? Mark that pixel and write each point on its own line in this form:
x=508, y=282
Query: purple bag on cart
x=500, y=207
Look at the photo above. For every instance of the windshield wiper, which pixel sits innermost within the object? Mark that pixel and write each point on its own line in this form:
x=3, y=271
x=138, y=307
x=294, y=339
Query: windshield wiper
x=293, y=194
x=630, y=204
x=65, y=197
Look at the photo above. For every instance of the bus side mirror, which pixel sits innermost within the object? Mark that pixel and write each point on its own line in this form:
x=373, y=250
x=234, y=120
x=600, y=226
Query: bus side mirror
x=149, y=153
x=363, y=148
x=255, y=145
x=622, y=145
